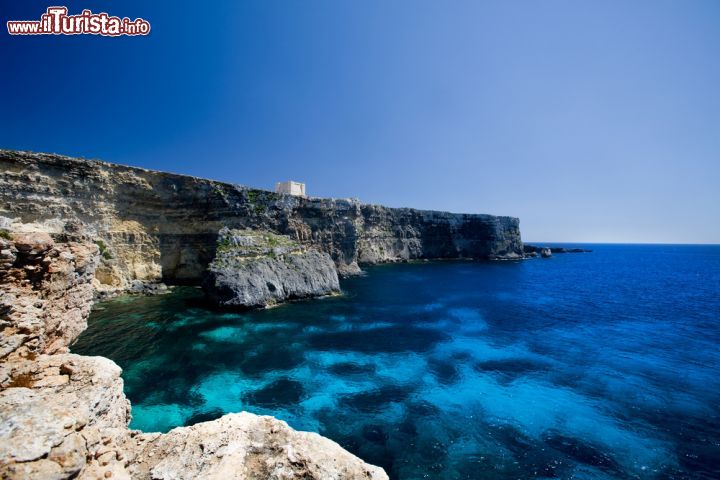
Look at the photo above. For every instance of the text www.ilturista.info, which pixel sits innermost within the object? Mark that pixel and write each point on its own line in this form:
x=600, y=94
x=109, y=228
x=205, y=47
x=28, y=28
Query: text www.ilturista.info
x=56, y=21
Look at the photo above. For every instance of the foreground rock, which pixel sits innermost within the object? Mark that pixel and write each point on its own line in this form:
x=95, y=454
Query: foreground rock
x=246, y=446
x=260, y=269
x=65, y=416
x=45, y=292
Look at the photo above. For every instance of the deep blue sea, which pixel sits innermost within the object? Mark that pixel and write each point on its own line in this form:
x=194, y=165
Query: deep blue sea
x=591, y=366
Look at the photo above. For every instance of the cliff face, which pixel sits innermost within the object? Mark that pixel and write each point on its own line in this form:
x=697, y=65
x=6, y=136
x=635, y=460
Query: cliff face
x=65, y=416
x=69, y=227
x=61, y=414
x=78, y=226
x=45, y=293
x=160, y=226
x=255, y=268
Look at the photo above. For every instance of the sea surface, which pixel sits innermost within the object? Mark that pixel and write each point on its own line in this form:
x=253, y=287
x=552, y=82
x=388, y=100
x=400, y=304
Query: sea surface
x=592, y=366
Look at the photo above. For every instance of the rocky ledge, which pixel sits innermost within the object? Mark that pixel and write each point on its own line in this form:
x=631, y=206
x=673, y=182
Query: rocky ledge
x=246, y=446
x=255, y=268
x=65, y=416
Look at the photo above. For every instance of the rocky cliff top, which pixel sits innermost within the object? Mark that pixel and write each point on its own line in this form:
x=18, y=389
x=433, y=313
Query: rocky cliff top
x=242, y=245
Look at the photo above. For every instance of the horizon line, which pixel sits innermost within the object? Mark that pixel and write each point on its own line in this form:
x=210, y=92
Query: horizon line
x=621, y=243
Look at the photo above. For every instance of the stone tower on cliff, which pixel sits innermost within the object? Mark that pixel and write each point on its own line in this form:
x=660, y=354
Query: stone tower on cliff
x=290, y=187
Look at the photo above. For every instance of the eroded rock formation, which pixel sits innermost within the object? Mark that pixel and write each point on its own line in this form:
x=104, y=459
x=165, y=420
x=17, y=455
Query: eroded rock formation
x=65, y=416
x=243, y=445
x=45, y=292
x=80, y=227
x=163, y=227
x=256, y=268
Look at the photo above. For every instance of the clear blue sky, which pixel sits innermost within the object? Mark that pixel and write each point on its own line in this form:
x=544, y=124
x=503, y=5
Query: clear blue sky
x=591, y=121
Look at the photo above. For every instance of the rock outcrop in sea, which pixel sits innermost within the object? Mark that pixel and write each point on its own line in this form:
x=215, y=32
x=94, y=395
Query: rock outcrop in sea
x=65, y=416
x=256, y=268
x=547, y=252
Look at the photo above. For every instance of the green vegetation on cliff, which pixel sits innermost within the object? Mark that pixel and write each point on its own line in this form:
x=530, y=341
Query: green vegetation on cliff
x=104, y=251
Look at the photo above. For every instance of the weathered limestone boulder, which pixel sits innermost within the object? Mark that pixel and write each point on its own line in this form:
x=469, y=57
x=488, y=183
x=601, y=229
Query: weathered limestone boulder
x=248, y=447
x=62, y=416
x=261, y=268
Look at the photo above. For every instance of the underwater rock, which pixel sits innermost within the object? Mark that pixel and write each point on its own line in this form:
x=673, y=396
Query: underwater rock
x=261, y=268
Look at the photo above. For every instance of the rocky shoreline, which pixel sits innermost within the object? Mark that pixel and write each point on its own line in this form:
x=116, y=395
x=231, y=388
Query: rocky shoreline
x=72, y=230
x=155, y=227
x=65, y=416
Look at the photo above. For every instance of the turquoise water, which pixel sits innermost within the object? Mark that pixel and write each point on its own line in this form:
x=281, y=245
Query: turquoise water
x=594, y=366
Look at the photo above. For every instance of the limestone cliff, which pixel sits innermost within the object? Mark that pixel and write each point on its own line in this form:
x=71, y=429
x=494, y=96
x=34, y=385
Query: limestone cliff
x=65, y=416
x=158, y=226
x=45, y=293
x=71, y=227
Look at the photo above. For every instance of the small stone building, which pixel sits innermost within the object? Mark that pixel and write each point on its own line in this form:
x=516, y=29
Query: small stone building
x=291, y=188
